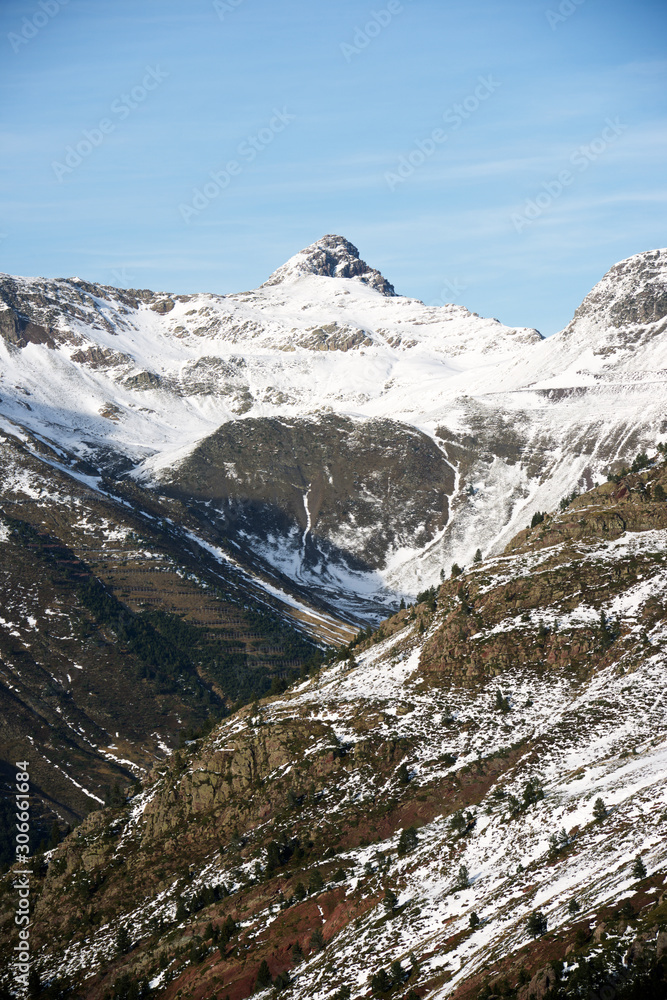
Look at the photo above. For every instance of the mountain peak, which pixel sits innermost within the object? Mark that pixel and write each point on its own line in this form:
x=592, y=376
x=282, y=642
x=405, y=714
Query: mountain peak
x=632, y=292
x=331, y=257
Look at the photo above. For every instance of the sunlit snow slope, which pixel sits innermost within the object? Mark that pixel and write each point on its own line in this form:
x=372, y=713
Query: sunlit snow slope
x=141, y=383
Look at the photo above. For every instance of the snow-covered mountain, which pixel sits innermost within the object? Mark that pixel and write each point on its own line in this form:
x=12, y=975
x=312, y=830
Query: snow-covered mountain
x=356, y=440
x=197, y=490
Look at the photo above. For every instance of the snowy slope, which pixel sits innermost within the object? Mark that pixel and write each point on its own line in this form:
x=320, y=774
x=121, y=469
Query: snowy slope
x=133, y=377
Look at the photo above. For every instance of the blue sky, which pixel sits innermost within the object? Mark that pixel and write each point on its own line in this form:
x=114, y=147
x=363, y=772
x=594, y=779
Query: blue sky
x=483, y=105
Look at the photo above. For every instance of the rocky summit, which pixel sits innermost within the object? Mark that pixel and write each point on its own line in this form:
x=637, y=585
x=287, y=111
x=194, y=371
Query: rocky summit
x=331, y=257
x=333, y=636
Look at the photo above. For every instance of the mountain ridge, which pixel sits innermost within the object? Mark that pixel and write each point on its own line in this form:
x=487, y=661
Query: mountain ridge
x=133, y=382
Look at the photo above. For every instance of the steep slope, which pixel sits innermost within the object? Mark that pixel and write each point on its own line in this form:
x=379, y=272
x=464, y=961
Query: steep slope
x=403, y=812
x=122, y=626
x=323, y=498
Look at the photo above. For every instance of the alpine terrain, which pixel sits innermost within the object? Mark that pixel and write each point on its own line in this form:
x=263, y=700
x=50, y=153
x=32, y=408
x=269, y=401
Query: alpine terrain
x=333, y=634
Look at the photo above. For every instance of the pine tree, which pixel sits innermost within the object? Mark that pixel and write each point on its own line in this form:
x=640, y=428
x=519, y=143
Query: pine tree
x=297, y=953
x=282, y=981
x=300, y=891
x=536, y=925
x=513, y=804
x=573, y=906
x=477, y=558
x=264, y=977
x=228, y=930
x=123, y=941
x=403, y=774
x=397, y=973
x=474, y=920
x=316, y=883
x=407, y=841
x=502, y=703
x=599, y=810
x=462, y=879
x=532, y=792
x=638, y=868
x=390, y=901
x=317, y=940
x=608, y=631
x=456, y=570
x=381, y=981
x=459, y=821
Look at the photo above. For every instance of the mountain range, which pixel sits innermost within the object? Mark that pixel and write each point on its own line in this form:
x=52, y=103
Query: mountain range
x=379, y=428
x=211, y=509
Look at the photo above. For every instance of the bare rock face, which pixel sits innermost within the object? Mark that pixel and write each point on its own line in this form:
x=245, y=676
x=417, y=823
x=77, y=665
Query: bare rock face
x=331, y=257
x=632, y=292
x=539, y=986
x=329, y=487
x=661, y=945
x=18, y=331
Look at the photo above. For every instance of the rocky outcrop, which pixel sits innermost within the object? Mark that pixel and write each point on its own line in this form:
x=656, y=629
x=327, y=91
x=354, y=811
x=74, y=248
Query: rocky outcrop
x=661, y=944
x=143, y=380
x=331, y=257
x=632, y=292
x=234, y=783
x=539, y=985
x=482, y=631
x=18, y=331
